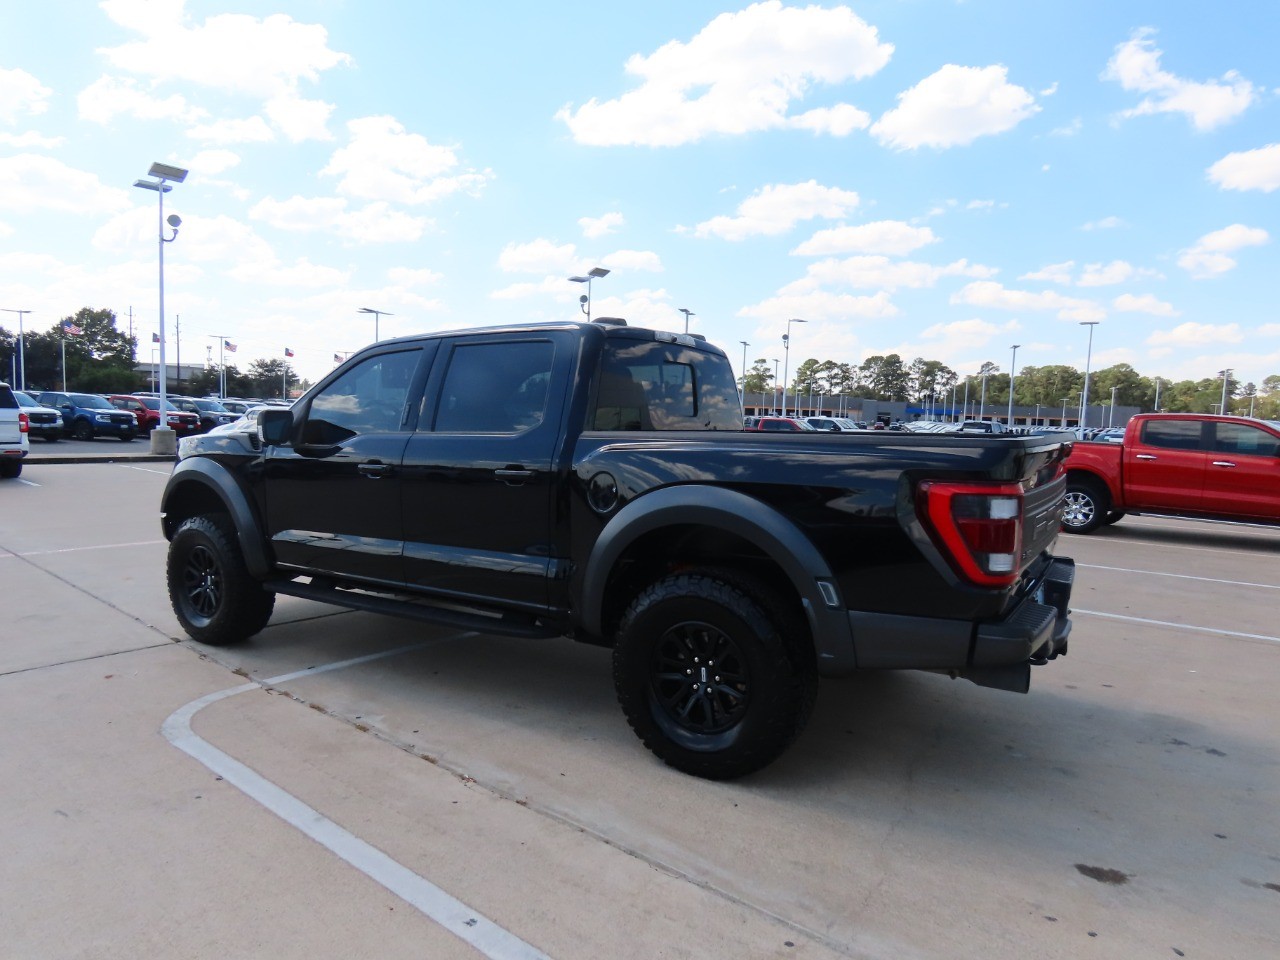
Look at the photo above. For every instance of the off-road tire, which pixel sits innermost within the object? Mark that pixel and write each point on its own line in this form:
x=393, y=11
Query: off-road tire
x=751, y=648
x=1086, y=507
x=213, y=595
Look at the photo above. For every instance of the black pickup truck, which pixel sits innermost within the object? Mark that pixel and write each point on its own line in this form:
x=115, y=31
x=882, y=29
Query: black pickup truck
x=593, y=480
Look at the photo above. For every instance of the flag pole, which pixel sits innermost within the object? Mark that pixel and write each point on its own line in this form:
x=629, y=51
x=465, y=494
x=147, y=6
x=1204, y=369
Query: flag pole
x=62, y=345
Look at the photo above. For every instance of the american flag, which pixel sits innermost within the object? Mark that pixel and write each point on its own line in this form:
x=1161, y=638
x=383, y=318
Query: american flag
x=288, y=352
x=337, y=358
x=231, y=347
x=69, y=326
x=155, y=338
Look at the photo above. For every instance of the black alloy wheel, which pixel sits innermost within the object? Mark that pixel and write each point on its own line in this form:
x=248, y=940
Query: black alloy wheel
x=214, y=596
x=82, y=430
x=715, y=672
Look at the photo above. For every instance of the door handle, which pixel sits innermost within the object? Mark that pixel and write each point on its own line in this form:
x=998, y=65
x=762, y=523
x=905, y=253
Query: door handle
x=373, y=469
x=1223, y=463
x=1146, y=456
x=513, y=476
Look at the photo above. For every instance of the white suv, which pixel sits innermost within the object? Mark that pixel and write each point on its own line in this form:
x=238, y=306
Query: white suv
x=14, y=425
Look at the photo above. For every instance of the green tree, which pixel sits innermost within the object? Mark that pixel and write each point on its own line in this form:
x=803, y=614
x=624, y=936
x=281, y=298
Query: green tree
x=759, y=379
x=886, y=377
x=267, y=377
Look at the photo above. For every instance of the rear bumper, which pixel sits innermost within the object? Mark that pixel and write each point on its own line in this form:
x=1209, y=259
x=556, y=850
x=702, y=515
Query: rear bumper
x=997, y=653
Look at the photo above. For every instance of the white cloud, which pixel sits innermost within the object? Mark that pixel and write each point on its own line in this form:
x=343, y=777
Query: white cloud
x=1196, y=335
x=594, y=227
x=889, y=237
x=628, y=260
x=1053, y=273
x=1249, y=169
x=1269, y=330
x=373, y=223
x=1104, y=275
x=109, y=97
x=383, y=162
x=246, y=130
x=1136, y=66
x=776, y=208
x=408, y=277
x=1106, y=223
x=822, y=305
x=1146, y=303
x=213, y=162
x=29, y=140
x=954, y=107
x=1210, y=255
x=739, y=74
x=300, y=119
x=987, y=293
x=539, y=256
x=301, y=273
x=1068, y=129
x=30, y=182
x=21, y=94
x=881, y=273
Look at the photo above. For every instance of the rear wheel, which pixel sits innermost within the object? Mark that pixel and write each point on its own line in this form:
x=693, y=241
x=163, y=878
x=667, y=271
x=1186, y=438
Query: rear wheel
x=10, y=468
x=714, y=673
x=1086, y=507
x=1113, y=516
x=214, y=596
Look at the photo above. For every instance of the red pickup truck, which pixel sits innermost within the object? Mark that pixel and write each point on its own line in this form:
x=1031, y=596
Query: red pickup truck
x=1177, y=464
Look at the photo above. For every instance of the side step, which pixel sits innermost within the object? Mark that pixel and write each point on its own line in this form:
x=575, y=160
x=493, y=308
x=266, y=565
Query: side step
x=506, y=625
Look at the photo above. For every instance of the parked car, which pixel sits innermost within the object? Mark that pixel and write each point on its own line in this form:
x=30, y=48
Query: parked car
x=86, y=416
x=831, y=424
x=14, y=444
x=1177, y=464
x=147, y=411
x=592, y=480
x=237, y=406
x=983, y=426
x=44, y=423
x=211, y=412
x=779, y=425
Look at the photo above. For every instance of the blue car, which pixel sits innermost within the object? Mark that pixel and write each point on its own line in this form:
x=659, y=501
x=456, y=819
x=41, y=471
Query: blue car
x=86, y=416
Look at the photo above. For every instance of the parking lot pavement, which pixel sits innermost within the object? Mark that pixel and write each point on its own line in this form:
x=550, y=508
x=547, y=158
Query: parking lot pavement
x=1124, y=808
x=45, y=453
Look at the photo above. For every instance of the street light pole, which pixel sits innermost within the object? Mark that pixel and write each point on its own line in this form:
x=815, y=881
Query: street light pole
x=775, y=384
x=1084, y=397
x=1157, y=395
x=742, y=395
x=585, y=300
x=786, y=352
x=377, y=315
x=687, y=314
x=1222, y=407
x=982, y=406
x=1111, y=417
x=22, y=356
x=163, y=440
x=1013, y=369
x=1064, y=412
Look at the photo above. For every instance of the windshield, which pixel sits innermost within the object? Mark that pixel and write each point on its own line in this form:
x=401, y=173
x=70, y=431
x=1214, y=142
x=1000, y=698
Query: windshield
x=26, y=401
x=153, y=403
x=212, y=406
x=90, y=402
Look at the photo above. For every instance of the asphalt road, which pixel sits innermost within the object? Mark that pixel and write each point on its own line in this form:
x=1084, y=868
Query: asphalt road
x=350, y=785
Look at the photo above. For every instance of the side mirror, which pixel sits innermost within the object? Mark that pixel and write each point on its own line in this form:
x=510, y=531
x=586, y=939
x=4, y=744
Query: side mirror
x=275, y=427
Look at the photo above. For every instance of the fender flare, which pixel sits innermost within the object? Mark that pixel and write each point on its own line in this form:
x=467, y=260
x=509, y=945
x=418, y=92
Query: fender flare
x=1096, y=475
x=219, y=480
x=756, y=522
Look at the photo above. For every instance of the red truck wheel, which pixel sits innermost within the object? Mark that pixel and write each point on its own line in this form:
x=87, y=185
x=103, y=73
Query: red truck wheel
x=1086, y=507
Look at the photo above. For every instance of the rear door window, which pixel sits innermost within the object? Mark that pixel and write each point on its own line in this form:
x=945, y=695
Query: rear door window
x=1172, y=434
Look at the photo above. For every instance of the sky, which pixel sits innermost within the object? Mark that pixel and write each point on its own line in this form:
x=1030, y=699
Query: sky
x=933, y=178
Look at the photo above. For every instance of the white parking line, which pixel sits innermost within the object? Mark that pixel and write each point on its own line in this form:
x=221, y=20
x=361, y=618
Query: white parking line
x=1180, y=576
x=102, y=546
x=163, y=473
x=29, y=483
x=1176, y=626
x=452, y=914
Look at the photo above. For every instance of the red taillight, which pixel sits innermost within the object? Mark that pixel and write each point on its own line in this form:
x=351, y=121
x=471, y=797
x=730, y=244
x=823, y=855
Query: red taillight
x=978, y=528
x=24, y=423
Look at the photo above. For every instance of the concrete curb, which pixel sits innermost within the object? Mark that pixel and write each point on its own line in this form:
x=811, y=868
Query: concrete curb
x=31, y=459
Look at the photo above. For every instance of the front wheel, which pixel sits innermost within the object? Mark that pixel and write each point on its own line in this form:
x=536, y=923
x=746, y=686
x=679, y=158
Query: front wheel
x=714, y=673
x=216, y=599
x=82, y=430
x=1086, y=507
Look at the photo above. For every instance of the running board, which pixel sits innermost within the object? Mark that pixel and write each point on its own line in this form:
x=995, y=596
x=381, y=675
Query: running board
x=505, y=625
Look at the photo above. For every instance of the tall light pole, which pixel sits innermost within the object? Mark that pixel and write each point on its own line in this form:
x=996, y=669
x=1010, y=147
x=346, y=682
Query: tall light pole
x=594, y=273
x=1111, y=417
x=163, y=440
x=377, y=315
x=982, y=406
x=1157, y=410
x=1226, y=375
x=742, y=395
x=687, y=314
x=1064, y=412
x=1088, y=358
x=776, y=361
x=1013, y=370
x=1251, y=399
x=22, y=356
x=786, y=351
